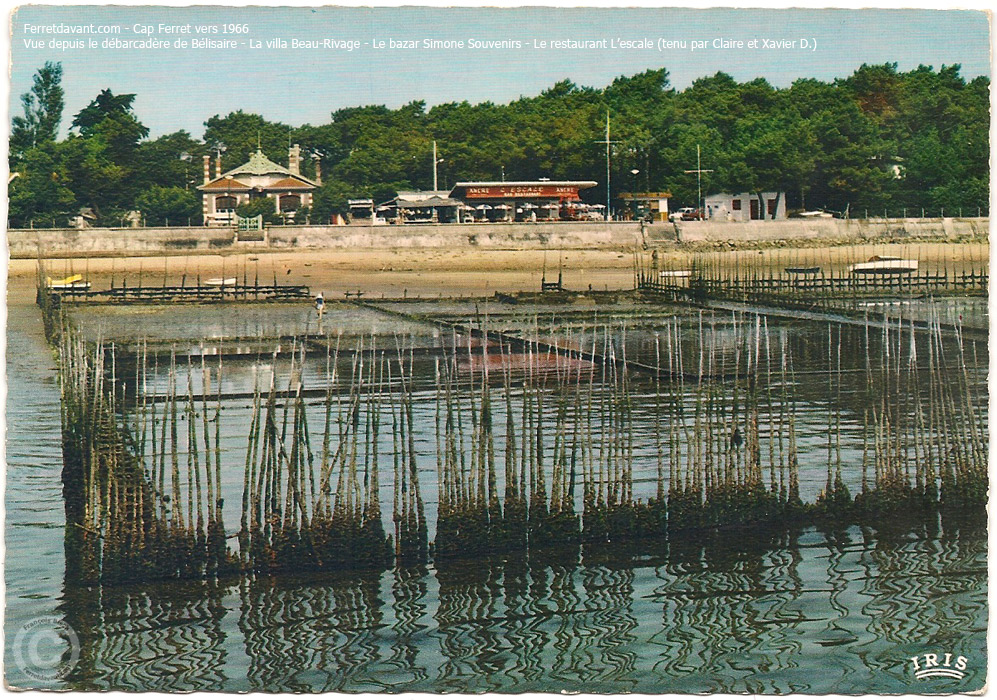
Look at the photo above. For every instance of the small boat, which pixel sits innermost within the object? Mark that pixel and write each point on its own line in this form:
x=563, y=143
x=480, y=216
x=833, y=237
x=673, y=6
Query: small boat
x=220, y=282
x=71, y=282
x=884, y=265
x=675, y=273
x=802, y=270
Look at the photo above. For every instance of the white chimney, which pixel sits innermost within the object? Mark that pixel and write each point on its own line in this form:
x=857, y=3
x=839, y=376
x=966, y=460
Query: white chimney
x=294, y=159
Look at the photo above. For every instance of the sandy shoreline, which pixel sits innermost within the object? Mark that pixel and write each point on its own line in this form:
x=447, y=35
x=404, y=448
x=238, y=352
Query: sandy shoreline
x=432, y=273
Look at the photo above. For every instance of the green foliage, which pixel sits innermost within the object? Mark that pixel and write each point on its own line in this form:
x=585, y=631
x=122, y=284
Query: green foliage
x=242, y=133
x=101, y=158
x=42, y=112
x=331, y=198
x=38, y=196
x=173, y=160
x=105, y=105
x=878, y=138
x=161, y=206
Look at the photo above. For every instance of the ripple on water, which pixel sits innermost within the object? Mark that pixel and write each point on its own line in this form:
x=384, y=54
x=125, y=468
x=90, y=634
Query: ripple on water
x=840, y=616
x=33, y=500
x=811, y=612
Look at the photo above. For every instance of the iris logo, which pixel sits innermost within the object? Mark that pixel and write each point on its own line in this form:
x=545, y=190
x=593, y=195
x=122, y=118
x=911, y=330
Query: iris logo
x=939, y=666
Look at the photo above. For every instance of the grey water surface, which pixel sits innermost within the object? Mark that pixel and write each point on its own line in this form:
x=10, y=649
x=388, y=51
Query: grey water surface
x=749, y=611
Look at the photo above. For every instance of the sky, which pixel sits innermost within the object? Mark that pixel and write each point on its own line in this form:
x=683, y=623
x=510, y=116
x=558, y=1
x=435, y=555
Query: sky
x=179, y=86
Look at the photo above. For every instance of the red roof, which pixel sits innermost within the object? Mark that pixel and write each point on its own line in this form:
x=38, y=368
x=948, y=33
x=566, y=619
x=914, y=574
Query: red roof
x=290, y=183
x=227, y=183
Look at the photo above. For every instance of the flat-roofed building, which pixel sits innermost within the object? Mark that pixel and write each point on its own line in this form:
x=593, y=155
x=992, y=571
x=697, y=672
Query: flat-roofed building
x=648, y=204
x=746, y=206
x=361, y=210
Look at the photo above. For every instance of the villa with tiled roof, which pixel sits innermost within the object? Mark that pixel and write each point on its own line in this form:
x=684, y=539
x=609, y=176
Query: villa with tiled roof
x=258, y=177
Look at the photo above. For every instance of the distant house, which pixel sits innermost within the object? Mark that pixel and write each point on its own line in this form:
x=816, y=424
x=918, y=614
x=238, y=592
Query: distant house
x=258, y=177
x=653, y=205
x=747, y=206
x=361, y=210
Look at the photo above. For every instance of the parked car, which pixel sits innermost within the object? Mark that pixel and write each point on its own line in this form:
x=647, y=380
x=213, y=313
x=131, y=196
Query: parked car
x=687, y=214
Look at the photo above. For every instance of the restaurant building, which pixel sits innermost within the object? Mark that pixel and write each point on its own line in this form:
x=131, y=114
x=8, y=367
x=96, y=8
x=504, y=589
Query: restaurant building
x=541, y=200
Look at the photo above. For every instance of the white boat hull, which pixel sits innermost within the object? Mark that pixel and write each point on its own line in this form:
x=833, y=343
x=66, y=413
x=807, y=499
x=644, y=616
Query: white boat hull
x=884, y=267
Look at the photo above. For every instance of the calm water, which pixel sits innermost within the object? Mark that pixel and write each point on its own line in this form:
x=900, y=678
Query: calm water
x=805, y=612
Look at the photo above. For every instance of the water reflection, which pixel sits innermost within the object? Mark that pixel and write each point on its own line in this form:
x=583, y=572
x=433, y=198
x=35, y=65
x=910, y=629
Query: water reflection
x=315, y=636
x=773, y=612
x=148, y=640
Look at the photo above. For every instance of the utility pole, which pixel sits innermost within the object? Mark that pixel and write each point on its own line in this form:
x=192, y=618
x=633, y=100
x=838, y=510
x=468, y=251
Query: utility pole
x=435, y=186
x=699, y=182
x=607, y=142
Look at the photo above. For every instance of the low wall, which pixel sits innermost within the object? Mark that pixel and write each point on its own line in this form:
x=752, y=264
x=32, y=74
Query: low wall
x=29, y=243
x=563, y=234
x=24, y=243
x=97, y=241
x=831, y=230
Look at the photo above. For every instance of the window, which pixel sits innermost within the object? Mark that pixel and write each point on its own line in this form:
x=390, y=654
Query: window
x=736, y=205
x=770, y=206
x=225, y=203
x=290, y=202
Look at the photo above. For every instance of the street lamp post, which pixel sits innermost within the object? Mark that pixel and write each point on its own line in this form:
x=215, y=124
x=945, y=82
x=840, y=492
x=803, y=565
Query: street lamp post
x=436, y=161
x=185, y=157
x=608, y=143
x=633, y=191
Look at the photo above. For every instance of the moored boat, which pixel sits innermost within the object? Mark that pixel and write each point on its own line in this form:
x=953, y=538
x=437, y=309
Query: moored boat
x=884, y=265
x=71, y=282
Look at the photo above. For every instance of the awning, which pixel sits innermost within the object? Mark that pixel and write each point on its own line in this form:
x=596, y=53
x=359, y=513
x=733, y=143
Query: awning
x=428, y=202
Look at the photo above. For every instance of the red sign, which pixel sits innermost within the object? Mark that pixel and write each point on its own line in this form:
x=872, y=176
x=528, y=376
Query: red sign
x=521, y=192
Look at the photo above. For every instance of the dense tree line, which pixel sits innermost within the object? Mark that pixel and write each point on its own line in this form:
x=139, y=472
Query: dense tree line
x=878, y=139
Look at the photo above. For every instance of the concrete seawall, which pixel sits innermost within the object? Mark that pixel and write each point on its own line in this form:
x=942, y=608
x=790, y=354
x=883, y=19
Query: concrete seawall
x=835, y=230
x=29, y=243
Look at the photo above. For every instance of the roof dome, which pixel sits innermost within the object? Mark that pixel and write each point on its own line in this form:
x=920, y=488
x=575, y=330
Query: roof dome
x=259, y=164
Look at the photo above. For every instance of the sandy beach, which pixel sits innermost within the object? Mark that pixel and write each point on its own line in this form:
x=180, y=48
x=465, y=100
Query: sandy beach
x=434, y=273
